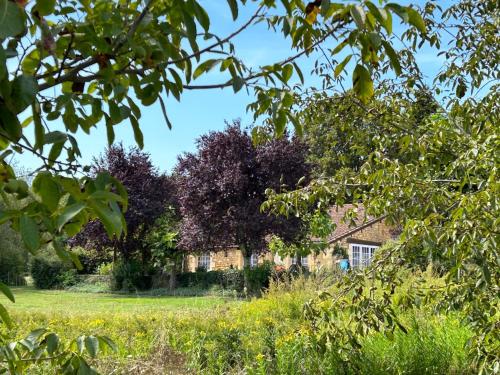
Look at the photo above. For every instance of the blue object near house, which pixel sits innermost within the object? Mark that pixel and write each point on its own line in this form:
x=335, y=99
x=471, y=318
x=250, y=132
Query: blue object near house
x=344, y=264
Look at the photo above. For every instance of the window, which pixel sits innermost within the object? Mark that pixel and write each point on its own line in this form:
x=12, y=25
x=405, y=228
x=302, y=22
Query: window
x=361, y=255
x=254, y=260
x=303, y=260
x=204, y=261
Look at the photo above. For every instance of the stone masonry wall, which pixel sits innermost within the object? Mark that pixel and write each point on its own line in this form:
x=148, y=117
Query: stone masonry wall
x=375, y=234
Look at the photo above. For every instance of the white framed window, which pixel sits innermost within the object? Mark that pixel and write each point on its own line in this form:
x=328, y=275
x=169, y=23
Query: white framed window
x=254, y=260
x=304, y=261
x=361, y=255
x=204, y=261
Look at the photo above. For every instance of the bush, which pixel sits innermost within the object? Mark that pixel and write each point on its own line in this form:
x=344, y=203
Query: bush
x=105, y=269
x=13, y=257
x=68, y=278
x=92, y=259
x=47, y=273
x=229, y=279
x=202, y=279
x=258, y=277
x=130, y=276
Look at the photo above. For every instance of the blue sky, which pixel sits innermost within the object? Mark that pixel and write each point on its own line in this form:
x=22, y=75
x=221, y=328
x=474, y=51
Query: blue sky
x=202, y=111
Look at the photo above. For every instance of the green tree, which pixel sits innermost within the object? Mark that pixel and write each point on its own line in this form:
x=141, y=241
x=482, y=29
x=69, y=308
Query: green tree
x=341, y=133
x=86, y=63
x=437, y=176
x=162, y=240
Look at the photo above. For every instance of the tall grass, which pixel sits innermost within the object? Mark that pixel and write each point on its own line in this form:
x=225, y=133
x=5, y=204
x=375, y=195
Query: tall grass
x=268, y=335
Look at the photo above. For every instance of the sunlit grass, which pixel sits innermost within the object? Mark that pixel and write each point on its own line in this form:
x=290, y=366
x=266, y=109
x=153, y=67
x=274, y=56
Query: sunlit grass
x=59, y=301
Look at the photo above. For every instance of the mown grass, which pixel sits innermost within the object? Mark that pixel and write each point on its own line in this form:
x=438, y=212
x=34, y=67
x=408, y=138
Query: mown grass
x=55, y=301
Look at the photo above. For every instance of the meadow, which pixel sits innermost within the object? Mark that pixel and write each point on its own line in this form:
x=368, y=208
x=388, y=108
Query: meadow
x=214, y=335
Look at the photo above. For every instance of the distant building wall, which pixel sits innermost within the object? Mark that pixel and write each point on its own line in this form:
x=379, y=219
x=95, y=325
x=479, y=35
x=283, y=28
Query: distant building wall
x=374, y=233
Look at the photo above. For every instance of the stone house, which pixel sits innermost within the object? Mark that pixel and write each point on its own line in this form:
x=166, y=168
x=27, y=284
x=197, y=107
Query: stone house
x=359, y=238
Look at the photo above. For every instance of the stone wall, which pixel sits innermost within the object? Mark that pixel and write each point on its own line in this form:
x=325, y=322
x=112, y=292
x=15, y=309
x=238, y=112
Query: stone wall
x=221, y=260
x=375, y=234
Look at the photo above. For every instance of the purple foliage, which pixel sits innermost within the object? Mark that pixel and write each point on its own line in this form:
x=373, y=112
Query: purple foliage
x=148, y=194
x=222, y=186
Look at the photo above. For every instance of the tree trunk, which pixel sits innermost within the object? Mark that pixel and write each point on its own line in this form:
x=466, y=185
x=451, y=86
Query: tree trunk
x=172, y=279
x=246, y=267
x=299, y=260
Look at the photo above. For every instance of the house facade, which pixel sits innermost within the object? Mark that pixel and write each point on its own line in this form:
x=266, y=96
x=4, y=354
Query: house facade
x=359, y=238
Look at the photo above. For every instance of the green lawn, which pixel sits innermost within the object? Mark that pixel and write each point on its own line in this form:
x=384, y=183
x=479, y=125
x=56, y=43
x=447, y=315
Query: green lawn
x=64, y=302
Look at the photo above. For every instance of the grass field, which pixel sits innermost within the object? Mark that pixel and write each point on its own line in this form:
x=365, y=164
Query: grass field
x=213, y=335
x=64, y=302
x=138, y=324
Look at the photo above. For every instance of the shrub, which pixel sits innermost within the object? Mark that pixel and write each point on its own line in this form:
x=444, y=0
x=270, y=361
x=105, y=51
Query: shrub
x=202, y=279
x=68, y=278
x=105, y=269
x=131, y=275
x=229, y=279
x=92, y=259
x=232, y=279
x=13, y=257
x=47, y=272
x=258, y=277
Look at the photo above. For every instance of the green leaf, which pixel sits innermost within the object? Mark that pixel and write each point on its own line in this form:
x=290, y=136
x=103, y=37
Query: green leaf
x=45, y=7
x=4, y=316
x=299, y=73
x=84, y=368
x=3, y=64
x=164, y=111
x=6, y=291
x=92, y=345
x=110, y=343
x=238, y=83
x=362, y=83
x=76, y=260
x=205, y=67
x=401, y=11
x=190, y=29
x=233, y=4
x=393, y=57
x=381, y=15
x=110, y=219
x=54, y=137
x=110, y=132
x=340, y=67
x=29, y=232
x=69, y=213
x=9, y=124
x=325, y=7
x=52, y=342
x=47, y=189
x=11, y=19
x=287, y=72
x=416, y=20
x=139, y=138
x=24, y=90
x=114, y=112
x=358, y=15
x=55, y=152
x=280, y=124
x=39, y=128
x=202, y=16
x=34, y=335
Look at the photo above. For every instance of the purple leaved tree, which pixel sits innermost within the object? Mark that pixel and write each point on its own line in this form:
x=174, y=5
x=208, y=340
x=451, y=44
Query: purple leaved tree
x=222, y=186
x=149, y=193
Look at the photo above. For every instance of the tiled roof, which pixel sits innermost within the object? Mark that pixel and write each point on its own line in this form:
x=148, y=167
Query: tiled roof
x=346, y=227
